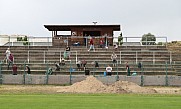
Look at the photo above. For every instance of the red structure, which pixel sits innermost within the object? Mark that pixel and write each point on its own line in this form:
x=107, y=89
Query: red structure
x=81, y=33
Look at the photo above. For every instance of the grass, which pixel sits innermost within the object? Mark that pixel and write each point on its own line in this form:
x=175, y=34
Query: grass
x=89, y=101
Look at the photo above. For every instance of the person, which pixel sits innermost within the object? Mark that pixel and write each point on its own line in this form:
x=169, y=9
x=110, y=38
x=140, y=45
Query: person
x=139, y=67
x=67, y=48
x=57, y=66
x=128, y=69
x=28, y=70
x=62, y=62
x=66, y=55
x=79, y=65
x=101, y=43
x=113, y=58
x=50, y=71
x=115, y=47
x=91, y=42
x=76, y=44
x=109, y=70
x=15, y=68
x=8, y=52
x=84, y=63
x=10, y=60
x=96, y=64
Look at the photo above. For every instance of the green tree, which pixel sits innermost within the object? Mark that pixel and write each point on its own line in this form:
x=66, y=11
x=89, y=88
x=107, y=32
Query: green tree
x=24, y=40
x=120, y=39
x=148, y=39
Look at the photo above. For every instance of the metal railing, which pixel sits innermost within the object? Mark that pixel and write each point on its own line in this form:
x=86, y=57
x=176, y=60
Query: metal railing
x=48, y=41
x=152, y=56
x=44, y=56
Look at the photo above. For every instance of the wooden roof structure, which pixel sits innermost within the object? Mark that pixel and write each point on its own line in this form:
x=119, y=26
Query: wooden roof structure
x=70, y=27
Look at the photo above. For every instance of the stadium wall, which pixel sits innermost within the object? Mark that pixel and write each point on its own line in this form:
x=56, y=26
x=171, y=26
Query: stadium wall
x=158, y=80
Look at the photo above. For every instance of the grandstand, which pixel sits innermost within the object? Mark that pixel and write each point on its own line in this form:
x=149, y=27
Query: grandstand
x=41, y=53
x=155, y=59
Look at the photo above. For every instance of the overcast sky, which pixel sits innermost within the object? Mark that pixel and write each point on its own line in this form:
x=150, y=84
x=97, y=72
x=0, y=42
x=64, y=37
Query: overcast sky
x=136, y=17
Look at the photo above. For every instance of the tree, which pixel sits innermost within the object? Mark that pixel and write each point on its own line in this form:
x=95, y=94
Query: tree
x=120, y=39
x=148, y=39
x=24, y=40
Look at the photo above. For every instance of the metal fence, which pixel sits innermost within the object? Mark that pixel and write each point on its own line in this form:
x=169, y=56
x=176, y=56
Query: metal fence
x=47, y=78
x=12, y=40
x=146, y=56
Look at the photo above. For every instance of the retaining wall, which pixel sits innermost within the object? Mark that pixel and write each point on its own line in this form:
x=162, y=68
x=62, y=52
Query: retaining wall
x=157, y=80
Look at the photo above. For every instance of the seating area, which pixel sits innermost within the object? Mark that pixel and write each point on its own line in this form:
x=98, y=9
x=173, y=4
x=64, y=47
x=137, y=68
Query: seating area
x=156, y=60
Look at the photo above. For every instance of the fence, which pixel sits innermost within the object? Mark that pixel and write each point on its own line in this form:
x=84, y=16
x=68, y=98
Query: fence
x=50, y=56
x=49, y=41
x=47, y=78
x=146, y=56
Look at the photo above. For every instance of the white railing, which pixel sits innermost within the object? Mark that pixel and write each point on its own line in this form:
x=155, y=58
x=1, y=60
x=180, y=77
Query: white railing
x=152, y=56
x=47, y=41
x=44, y=56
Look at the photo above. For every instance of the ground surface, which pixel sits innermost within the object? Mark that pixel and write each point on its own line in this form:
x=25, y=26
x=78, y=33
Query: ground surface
x=90, y=85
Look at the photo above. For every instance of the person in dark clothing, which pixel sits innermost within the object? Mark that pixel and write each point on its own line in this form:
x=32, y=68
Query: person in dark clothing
x=96, y=64
x=84, y=63
x=10, y=60
x=139, y=67
x=67, y=48
x=57, y=65
x=128, y=69
x=14, y=69
x=28, y=71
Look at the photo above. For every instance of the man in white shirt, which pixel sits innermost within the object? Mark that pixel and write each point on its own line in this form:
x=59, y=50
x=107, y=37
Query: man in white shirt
x=109, y=70
x=8, y=52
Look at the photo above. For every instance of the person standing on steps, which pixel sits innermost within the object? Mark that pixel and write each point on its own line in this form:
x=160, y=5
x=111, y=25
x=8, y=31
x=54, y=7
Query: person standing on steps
x=91, y=42
x=8, y=52
x=113, y=58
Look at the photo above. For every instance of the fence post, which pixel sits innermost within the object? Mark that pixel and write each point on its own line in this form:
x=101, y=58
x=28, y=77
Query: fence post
x=142, y=76
x=153, y=57
x=136, y=57
x=166, y=78
x=60, y=56
x=47, y=73
x=70, y=72
x=120, y=57
x=117, y=77
x=44, y=57
x=28, y=56
x=170, y=57
x=1, y=77
x=76, y=57
x=142, y=80
x=24, y=74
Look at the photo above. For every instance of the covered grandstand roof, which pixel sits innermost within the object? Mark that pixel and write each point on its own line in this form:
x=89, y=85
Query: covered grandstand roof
x=69, y=27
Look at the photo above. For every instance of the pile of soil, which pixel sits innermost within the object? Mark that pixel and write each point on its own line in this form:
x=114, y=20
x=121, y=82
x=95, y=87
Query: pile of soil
x=92, y=85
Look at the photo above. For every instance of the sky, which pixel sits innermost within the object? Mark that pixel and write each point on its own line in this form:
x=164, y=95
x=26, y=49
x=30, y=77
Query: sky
x=136, y=17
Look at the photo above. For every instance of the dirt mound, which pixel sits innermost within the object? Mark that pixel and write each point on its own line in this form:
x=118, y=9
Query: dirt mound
x=130, y=87
x=92, y=85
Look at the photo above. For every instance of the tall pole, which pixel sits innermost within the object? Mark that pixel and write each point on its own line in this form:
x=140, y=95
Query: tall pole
x=166, y=78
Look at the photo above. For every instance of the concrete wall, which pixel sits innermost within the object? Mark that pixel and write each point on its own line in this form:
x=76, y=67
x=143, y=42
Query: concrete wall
x=158, y=80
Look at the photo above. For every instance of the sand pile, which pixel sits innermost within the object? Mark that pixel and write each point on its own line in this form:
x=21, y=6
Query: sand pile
x=92, y=85
x=130, y=87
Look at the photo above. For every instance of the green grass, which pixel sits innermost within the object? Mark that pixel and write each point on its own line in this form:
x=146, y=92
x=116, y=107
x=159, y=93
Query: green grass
x=89, y=101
